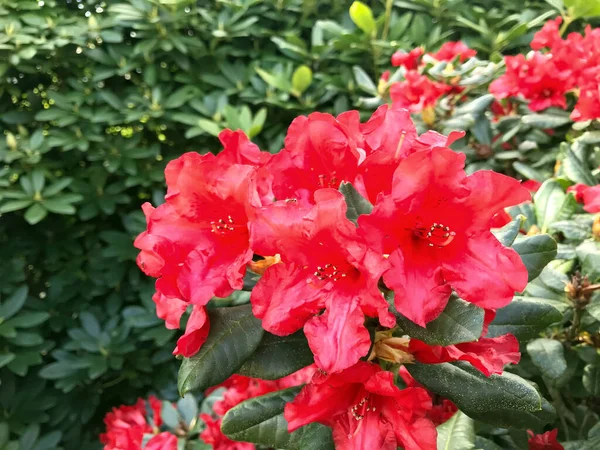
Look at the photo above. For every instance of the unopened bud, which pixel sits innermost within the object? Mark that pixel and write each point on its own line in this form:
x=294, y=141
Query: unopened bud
x=11, y=141
x=533, y=230
x=428, y=115
x=596, y=228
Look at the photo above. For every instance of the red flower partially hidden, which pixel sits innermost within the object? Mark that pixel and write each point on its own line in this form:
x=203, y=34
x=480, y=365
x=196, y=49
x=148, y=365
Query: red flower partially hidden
x=451, y=50
x=442, y=409
x=417, y=92
x=197, y=242
x=586, y=195
x=238, y=389
x=435, y=227
x=366, y=410
x=324, y=266
x=408, y=60
x=546, y=441
x=127, y=425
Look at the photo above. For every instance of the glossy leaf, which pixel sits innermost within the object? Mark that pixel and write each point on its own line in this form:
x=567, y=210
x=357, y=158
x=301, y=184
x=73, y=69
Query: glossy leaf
x=457, y=433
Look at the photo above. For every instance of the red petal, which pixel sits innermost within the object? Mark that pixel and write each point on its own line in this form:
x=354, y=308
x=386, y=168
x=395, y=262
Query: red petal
x=338, y=337
x=195, y=335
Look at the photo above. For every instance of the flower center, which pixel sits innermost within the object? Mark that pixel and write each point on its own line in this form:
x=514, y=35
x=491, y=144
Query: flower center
x=223, y=226
x=437, y=235
x=359, y=410
x=330, y=272
x=330, y=181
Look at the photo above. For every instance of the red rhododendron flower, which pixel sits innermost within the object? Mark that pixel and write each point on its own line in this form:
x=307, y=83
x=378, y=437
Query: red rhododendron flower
x=417, y=92
x=537, y=79
x=366, y=410
x=435, y=227
x=162, y=441
x=324, y=266
x=588, y=196
x=546, y=441
x=442, y=409
x=212, y=435
x=451, y=50
x=408, y=60
x=197, y=242
x=548, y=35
x=318, y=153
x=500, y=219
x=588, y=105
x=127, y=425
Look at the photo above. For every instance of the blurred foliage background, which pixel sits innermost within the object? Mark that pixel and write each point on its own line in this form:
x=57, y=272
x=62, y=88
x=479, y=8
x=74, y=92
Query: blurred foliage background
x=95, y=98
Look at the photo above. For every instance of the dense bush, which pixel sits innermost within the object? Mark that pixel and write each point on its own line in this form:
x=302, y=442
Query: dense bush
x=95, y=99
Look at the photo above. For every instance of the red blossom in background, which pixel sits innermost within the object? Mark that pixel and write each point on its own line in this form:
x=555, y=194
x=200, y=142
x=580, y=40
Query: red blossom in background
x=366, y=410
x=589, y=196
x=548, y=35
x=408, y=60
x=324, y=266
x=435, y=227
x=546, y=441
x=417, y=92
x=197, y=242
x=127, y=425
x=451, y=50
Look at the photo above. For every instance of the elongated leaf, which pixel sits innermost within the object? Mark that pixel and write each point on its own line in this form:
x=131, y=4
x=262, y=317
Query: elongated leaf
x=278, y=356
x=234, y=335
x=524, y=318
x=499, y=399
x=548, y=355
x=260, y=421
x=357, y=204
x=14, y=303
x=577, y=170
x=457, y=433
x=548, y=200
x=316, y=437
x=591, y=379
x=364, y=80
x=536, y=252
x=459, y=322
x=509, y=232
x=545, y=120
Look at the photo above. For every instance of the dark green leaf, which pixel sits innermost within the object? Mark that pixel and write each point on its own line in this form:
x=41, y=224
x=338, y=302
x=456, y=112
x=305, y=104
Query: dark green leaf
x=499, y=399
x=577, y=170
x=591, y=379
x=536, y=252
x=548, y=355
x=508, y=233
x=234, y=335
x=278, y=356
x=524, y=318
x=459, y=322
x=14, y=303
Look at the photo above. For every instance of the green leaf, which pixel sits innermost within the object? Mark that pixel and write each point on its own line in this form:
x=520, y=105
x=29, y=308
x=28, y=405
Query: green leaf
x=548, y=355
x=234, y=335
x=57, y=370
x=457, y=433
x=4, y=434
x=5, y=358
x=15, y=205
x=577, y=170
x=362, y=16
x=591, y=379
x=58, y=206
x=498, y=400
x=35, y=213
x=260, y=421
x=29, y=437
x=209, y=126
x=545, y=120
x=524, y=318
x=459, y=322
x=316, y=437
x=301, y=79
x=548, y=200
x=274, y=81
x=278, y=356
x=14, y=303
x=357, y=204
x=509, y=232
x=188, y=408
x=364, y=80
x=583, y=8
x=536, y=252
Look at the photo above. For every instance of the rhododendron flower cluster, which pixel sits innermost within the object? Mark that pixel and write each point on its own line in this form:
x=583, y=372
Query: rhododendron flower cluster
x=126, y=427
x=287, y=218
x=417, y=92
x=556, y=67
